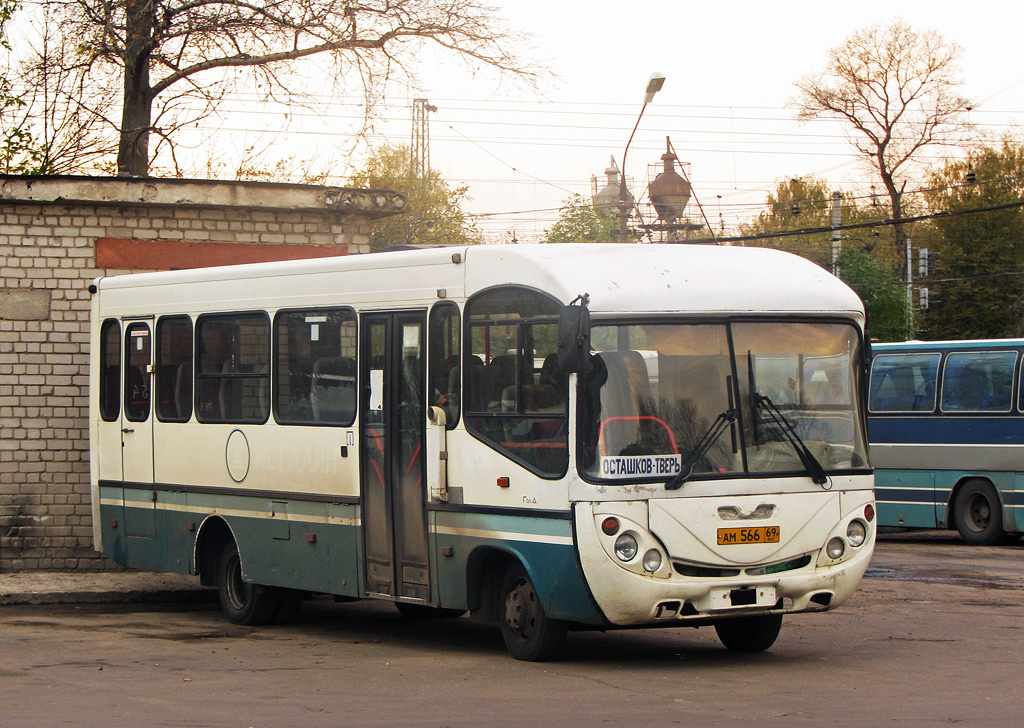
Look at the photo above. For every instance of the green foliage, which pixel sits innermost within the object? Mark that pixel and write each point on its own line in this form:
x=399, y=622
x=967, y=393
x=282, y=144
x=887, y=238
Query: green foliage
x=579, y=222
x=978, y=290
x=796, y=204
x=889, y=318
x=435, y=215
x=806, y=203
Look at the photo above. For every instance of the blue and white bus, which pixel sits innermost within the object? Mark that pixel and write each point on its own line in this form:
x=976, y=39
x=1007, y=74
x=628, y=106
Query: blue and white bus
x=946, y=425
x=460, y=429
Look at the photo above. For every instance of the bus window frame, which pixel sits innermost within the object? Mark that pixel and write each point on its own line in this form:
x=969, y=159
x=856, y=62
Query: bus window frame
x=939, y=374
x=467, y=352
x=108, y=398
x=351, y=315
x=941, y=390
x=453, y=400
x=197, y=354
x=158, y=369
x=131, y=414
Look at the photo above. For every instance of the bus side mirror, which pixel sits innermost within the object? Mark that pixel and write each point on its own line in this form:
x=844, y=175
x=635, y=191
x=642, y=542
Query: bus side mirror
x=573, y=338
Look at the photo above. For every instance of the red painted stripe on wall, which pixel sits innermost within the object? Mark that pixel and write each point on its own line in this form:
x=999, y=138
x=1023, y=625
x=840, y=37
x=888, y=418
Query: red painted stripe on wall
x=128, y=254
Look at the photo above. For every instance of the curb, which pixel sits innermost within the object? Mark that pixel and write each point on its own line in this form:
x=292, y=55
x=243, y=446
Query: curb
x=130, y=587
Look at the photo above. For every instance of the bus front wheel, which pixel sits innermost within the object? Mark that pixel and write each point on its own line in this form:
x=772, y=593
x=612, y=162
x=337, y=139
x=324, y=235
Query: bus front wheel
x=242, y=601
x=977, y=513
x=528, y=632
x=749, y=634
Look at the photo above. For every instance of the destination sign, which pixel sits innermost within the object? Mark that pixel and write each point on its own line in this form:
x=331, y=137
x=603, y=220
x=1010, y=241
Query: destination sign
x=640, y=466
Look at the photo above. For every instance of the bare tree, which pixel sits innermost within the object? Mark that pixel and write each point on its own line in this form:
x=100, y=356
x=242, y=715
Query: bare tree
x=69, y=116
x=167, y=47
x=896, y=89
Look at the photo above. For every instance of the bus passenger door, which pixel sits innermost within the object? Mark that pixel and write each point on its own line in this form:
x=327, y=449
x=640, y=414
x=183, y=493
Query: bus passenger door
x=137, y=431
x=393, y=433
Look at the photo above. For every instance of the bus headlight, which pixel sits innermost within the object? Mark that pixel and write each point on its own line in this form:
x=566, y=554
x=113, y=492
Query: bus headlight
x=835, y=548
x=652, y=560
x=856, y=533
x=625, y=547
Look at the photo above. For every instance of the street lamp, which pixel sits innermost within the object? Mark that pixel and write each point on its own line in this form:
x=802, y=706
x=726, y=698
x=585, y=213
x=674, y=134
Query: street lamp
x=654, y=85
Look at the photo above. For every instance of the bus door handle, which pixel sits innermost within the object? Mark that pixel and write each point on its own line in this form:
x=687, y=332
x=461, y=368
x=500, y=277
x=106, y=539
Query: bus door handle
x=126, y=430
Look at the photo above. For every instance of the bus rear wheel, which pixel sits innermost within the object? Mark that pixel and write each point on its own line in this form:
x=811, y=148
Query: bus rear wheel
x=528, y=632
x=749, y=634
x=242, y=601
x=977, y=513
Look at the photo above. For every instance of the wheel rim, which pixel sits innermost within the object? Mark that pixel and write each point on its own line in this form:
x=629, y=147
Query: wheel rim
x=979, y=513
x=237, y=588
x=521, y=609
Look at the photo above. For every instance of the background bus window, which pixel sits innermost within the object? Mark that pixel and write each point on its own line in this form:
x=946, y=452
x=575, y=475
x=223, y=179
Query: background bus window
x=978, y=381
x=444, y=369
x=515, y=396
x=315, y=367
x=903, y=382
x=110, y=370
x=174, y=369
x=233, y=373
x=138, y=357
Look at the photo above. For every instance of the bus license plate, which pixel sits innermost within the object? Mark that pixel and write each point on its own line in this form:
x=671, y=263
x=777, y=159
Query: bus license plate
x=756, y=534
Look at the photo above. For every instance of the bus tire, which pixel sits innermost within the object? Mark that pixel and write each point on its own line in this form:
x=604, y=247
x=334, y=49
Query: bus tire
x=978, y=514
x=749, y=634
x=241, y=601
x=528, y=632
x=423, y=611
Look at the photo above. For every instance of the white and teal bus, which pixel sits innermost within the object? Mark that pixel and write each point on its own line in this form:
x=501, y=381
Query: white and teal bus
x=946, y=425
x=457, y=429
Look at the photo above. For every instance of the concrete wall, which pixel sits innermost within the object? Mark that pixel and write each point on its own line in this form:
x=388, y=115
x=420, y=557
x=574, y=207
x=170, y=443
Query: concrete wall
x=59, y=233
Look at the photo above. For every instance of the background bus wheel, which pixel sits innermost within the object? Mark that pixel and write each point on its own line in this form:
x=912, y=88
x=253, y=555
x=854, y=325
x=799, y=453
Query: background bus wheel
x=977, y=513
x=423, y=611
x=529, y=634
x=749, y=634
x=242, y=602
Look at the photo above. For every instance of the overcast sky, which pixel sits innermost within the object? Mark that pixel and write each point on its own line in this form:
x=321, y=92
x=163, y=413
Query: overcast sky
x=730, y=69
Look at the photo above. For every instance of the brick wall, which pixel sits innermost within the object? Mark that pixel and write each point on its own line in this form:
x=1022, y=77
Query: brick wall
x=49, y=228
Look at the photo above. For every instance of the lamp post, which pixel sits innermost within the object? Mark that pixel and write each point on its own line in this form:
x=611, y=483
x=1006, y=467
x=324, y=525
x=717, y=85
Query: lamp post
x=654, y=85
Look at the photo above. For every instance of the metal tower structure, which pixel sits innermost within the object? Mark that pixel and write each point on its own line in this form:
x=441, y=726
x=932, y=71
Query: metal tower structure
x=420, y=167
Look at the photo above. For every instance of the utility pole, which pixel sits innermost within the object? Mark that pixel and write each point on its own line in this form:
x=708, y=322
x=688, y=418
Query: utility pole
x=837, y=221
x=420, y=166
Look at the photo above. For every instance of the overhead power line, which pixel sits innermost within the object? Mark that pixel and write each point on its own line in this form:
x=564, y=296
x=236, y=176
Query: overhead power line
x=858, y=225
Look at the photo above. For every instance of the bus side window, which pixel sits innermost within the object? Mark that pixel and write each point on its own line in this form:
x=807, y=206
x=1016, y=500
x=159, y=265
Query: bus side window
x=110, y=370
x=515, y=399
x=174, y=368
x=233, y=371
x=903, y=382
x=315, y=367
x=138, y=357
x=444, y=369
x=978, y=381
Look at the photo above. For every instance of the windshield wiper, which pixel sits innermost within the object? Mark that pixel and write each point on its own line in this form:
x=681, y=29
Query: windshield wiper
x=810, y=463
x=723, y=421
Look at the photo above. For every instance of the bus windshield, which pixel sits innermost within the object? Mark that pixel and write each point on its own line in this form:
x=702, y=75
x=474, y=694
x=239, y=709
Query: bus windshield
x=674, y=401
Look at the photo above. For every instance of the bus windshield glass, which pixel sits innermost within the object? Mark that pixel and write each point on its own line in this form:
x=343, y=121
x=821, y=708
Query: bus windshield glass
x=673, y=402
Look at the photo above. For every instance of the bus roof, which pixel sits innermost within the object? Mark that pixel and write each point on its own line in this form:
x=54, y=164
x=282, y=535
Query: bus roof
x=947, y=345
x=619, y=278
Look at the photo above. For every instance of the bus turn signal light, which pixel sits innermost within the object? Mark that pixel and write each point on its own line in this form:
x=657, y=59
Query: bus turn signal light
x=610, y=526
x=869, y=512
